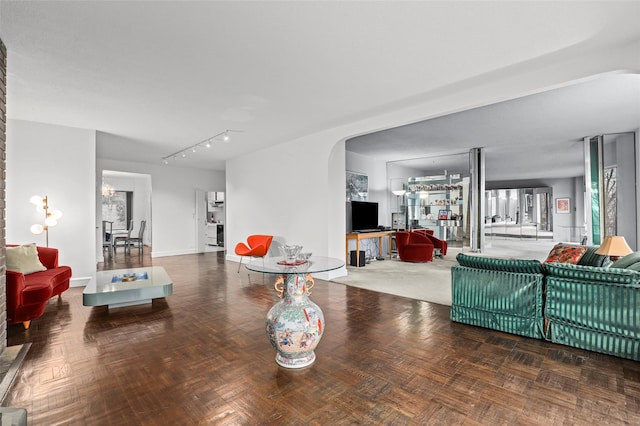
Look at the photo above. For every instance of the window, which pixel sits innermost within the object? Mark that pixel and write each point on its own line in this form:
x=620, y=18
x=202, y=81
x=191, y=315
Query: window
x=610, y=201
x=117, y=208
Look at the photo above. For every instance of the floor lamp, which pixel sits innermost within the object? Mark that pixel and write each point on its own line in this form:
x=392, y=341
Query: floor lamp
x=50, y=216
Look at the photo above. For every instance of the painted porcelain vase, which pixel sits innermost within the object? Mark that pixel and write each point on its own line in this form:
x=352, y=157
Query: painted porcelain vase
x=295, y=324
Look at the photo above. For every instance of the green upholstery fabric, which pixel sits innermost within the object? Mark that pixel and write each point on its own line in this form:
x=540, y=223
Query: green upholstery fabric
x=504, y=265
x=634, y=267
x=593, y=274
x=505, y=301
x=590, y=258
x=626, y=261
x=596, y=309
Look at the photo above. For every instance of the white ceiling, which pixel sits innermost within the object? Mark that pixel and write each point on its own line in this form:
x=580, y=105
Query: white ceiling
x=156, y=77
x=526, y=138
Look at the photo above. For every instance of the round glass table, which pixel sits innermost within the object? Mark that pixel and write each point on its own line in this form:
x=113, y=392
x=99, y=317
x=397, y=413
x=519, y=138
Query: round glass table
x=295, y=324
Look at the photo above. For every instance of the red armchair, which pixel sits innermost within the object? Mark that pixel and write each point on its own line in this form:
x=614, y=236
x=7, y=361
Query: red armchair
x=437, y=243
x=413, y=247
x=27, y=295
x=258, y=246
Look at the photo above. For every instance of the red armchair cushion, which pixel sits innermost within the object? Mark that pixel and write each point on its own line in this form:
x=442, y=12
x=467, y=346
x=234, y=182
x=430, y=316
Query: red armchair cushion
x=437, y=243
x=413, y=247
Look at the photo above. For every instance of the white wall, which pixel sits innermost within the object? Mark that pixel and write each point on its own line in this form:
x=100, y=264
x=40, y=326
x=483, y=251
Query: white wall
x=376, y=170
x=292, y=179
x=172, y=202
x=59, y=162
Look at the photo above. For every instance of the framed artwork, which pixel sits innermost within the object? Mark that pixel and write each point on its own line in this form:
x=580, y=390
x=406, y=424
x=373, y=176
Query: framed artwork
x=357, y=186
x=563, y=205
x=117, y=208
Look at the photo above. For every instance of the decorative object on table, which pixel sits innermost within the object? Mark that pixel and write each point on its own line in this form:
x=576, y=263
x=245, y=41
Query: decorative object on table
x=304, y=256
x=258, y=246
x=50, y=216
x=357, y=186
x=614, y=247
x=295, y=324
x=563, y=205
x=124, y=278
x=290, y=253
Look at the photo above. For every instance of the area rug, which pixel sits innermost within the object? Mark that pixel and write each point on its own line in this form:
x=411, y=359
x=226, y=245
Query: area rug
x=429, y=281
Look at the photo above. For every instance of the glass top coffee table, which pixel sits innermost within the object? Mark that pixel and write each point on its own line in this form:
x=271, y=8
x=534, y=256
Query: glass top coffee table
x=124, y=287
x=295, y=324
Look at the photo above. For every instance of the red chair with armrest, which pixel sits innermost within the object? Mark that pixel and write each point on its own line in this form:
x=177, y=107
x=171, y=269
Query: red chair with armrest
x=413, y=247
x=257, y=246
x=27, y=295
x=437, y=243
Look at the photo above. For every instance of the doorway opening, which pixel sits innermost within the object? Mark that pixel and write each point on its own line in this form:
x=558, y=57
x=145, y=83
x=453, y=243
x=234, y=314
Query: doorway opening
x=124, y=210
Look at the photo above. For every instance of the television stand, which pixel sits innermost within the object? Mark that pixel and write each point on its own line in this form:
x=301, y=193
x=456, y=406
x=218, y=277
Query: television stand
x=363, y=235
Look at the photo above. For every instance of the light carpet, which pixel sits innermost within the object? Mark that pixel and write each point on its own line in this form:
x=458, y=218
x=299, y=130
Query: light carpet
x=431, y=281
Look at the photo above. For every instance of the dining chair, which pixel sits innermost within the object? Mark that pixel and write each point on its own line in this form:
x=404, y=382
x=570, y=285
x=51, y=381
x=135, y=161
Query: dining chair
x=137, y=241
x=121, y=236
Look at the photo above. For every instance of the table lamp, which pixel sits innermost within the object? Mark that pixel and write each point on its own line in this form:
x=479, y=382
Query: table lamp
x=614, y=247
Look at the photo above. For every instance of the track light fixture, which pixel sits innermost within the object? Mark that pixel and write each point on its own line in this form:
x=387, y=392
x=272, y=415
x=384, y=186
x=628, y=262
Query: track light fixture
x=194, y=148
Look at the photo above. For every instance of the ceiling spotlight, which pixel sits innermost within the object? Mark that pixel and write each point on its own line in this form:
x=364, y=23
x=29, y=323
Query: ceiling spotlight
x=193, y=148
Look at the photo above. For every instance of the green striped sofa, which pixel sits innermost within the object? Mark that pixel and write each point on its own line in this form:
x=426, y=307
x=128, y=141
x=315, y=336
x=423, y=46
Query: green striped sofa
x=501, y=294
x=588, y=305
x=594, y=308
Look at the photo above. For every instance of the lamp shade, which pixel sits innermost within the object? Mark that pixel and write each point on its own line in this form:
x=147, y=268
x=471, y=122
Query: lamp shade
x=614, y=246
x=398, y=192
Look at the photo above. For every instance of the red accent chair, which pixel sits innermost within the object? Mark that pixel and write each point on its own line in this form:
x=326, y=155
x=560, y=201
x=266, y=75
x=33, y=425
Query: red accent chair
x=413, y=247
x=437, y=243
x=258, y=246
x=27, y=295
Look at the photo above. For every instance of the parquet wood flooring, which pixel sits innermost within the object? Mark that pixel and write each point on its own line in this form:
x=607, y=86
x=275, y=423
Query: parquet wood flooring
x=201, y=356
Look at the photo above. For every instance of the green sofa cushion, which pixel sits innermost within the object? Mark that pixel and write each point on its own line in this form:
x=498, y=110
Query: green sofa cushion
x=504, y=265
x=633, y=267
x=590, y=258
x=629, y=259
x=592, y=273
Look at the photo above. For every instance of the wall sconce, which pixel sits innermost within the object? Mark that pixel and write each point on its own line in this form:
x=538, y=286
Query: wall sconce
x=50, y=216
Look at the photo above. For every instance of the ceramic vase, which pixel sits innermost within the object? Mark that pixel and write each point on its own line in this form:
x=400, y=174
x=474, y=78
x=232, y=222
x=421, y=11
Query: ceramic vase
x=295, y=324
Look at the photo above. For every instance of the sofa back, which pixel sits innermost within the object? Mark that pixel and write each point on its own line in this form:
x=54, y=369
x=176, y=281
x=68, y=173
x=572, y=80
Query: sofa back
x=590, y=258
x=504, y=265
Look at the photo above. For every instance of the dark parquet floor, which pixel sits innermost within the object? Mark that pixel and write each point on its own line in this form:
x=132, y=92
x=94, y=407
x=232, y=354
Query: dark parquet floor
x=201, y=356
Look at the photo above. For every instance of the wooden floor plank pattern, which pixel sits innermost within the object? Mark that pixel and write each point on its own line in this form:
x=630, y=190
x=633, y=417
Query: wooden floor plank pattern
x=201, y=356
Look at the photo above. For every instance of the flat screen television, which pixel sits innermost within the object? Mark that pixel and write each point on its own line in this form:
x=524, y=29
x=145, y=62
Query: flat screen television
x=364, y=216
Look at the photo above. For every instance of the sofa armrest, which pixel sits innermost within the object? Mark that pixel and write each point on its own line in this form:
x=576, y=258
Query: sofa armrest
x=15, y=288
x=48, y=257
